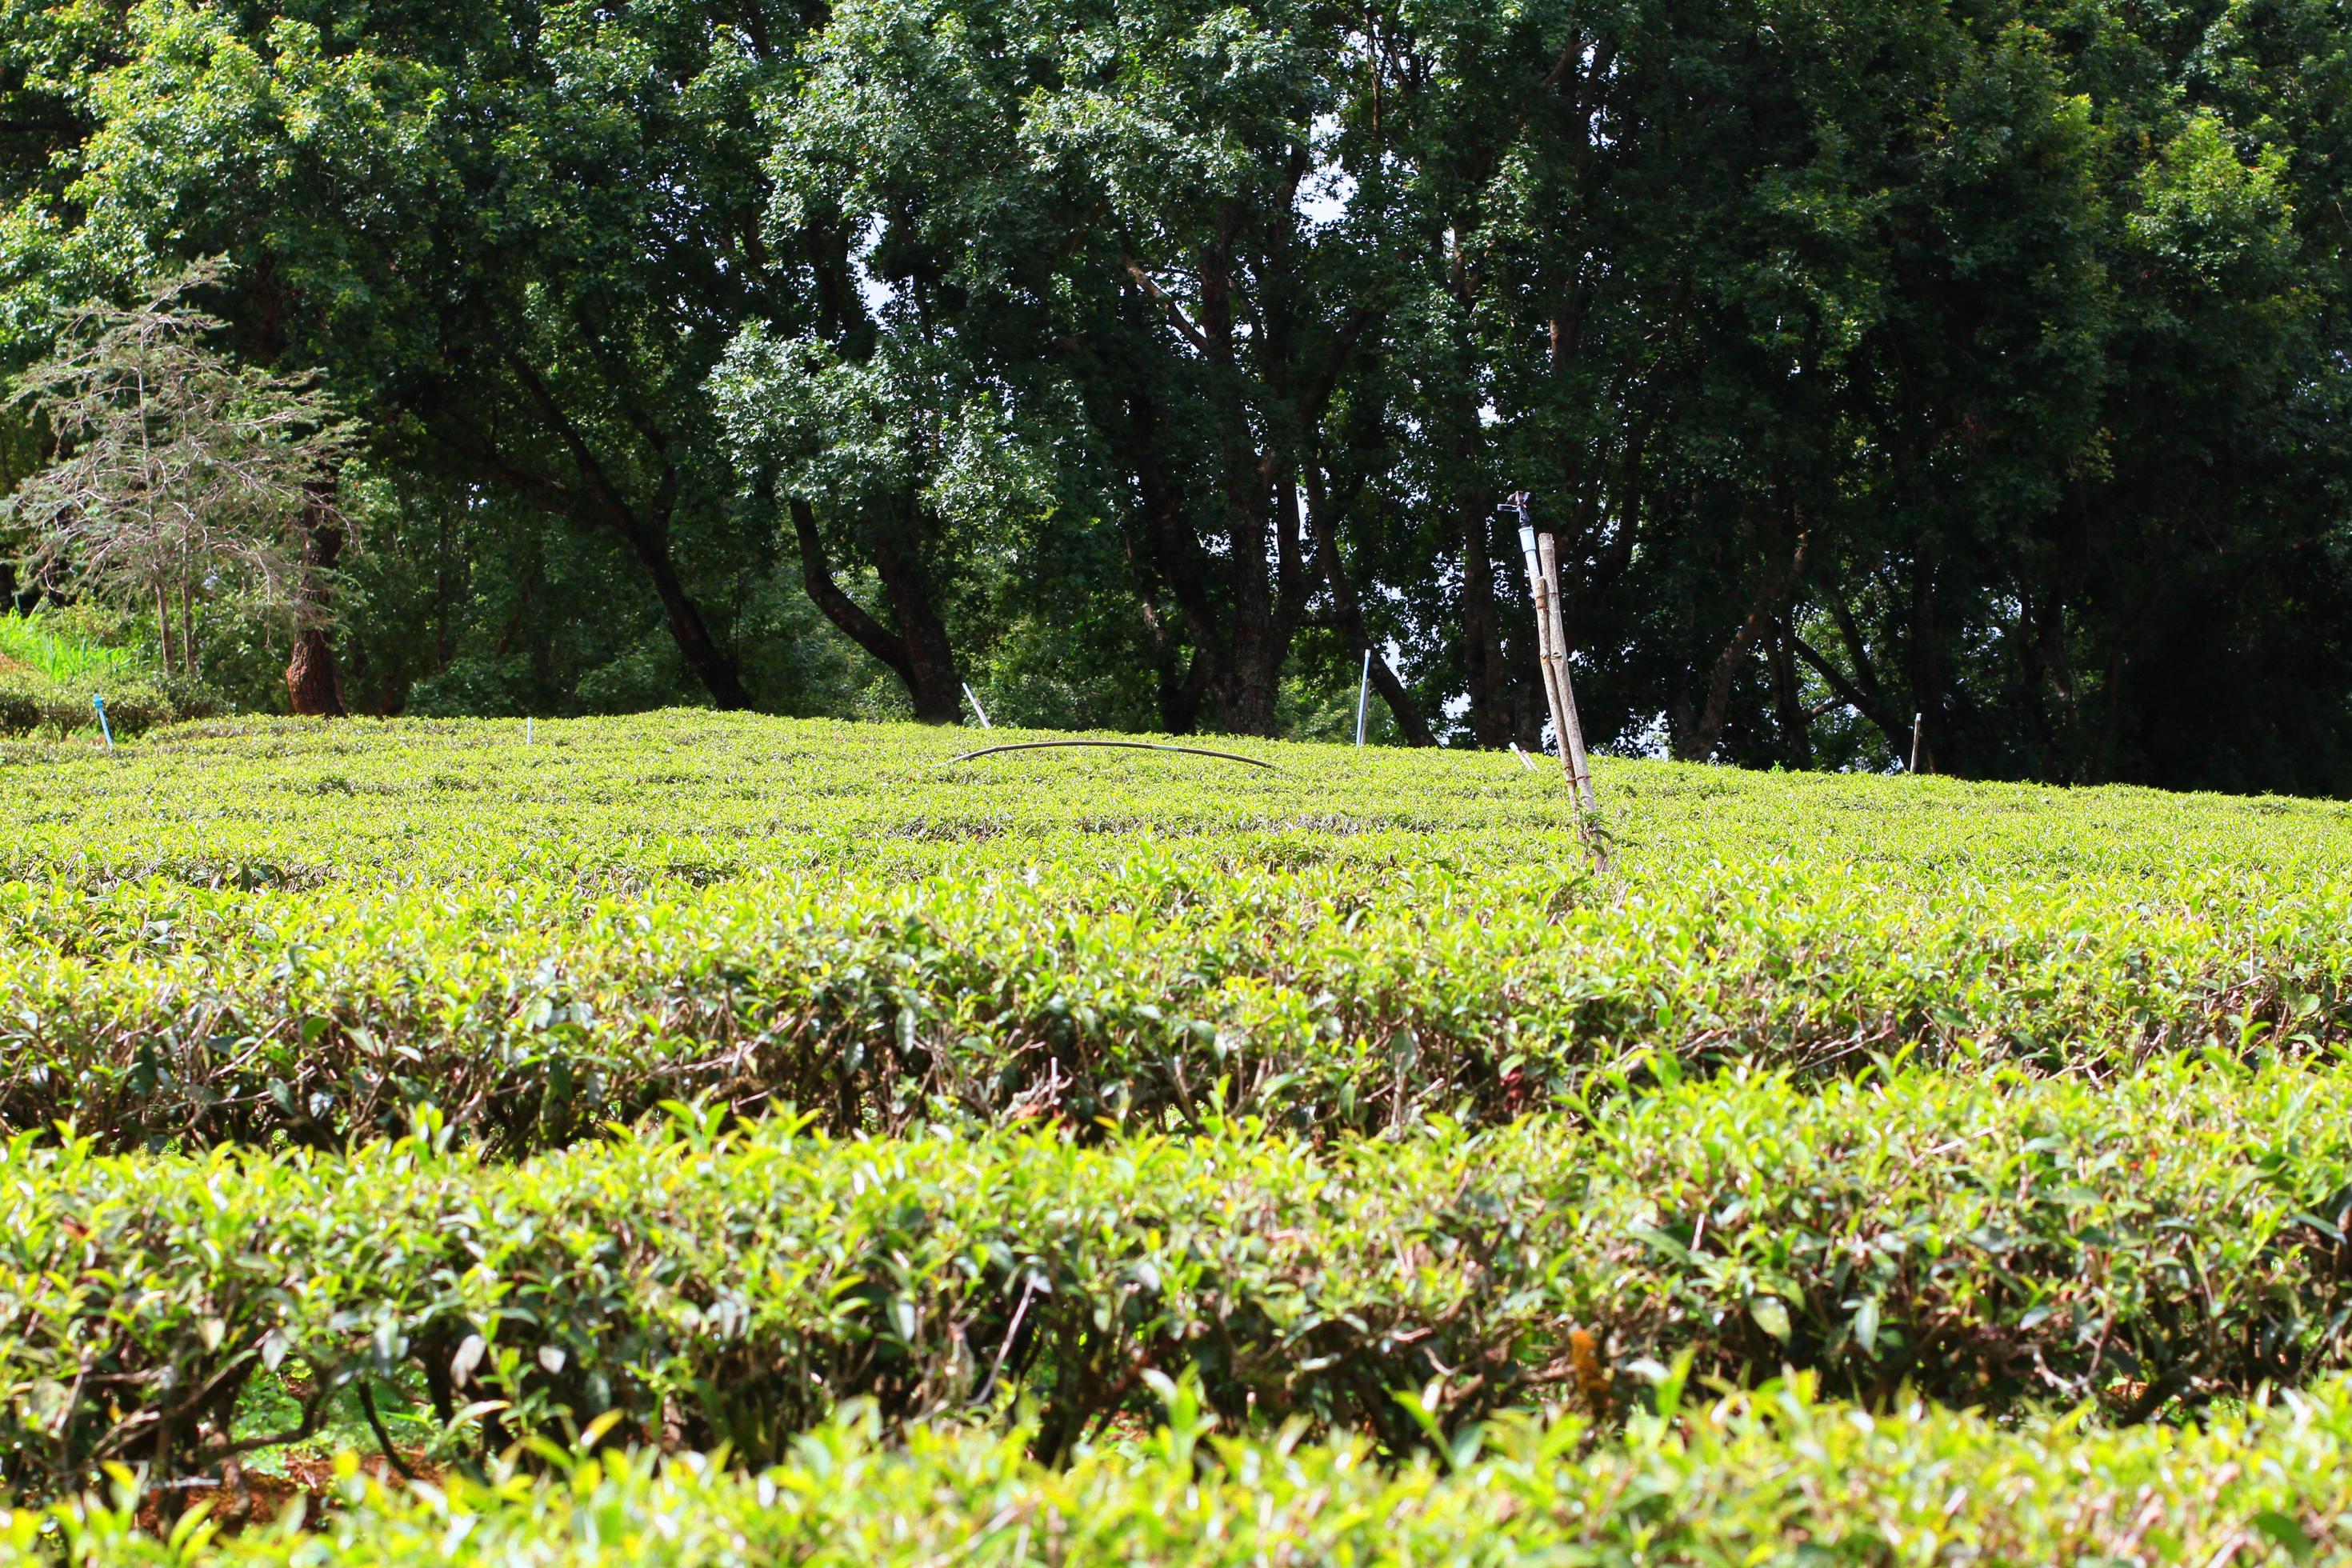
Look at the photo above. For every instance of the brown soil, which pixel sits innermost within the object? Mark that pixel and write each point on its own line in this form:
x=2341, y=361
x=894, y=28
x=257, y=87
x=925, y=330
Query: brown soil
x=246, y=1498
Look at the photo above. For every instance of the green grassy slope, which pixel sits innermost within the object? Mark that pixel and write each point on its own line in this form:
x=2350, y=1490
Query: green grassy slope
x=246, y=932
x=1036, y=1088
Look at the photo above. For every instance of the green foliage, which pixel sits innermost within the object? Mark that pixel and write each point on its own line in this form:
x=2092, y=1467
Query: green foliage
x=41, y=645
x=180, y=475
x=1145, y=365
x=1033, y=1079
x=1780, y=1475
x=2178, y=1232
x=50, y=668
x=264, y=931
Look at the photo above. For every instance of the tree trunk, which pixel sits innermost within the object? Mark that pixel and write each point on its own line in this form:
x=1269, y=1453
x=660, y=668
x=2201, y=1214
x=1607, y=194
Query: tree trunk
x=713, y=665
x=1169, y=554
x=1865, y=693
x=1179, y=700
x=1698, y=745
x=1795, y=724
x=918, y=653
x=1249, y=693
x=314, y=686
x=1349, y=614
x=645, y=528
x=932, y=680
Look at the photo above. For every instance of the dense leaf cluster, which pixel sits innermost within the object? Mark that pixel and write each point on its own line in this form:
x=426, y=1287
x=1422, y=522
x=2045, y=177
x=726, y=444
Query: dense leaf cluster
x=1147, y=362
x=1778, y=1476
x=658, y=1086
x=2182, y=1233
x=331, y=929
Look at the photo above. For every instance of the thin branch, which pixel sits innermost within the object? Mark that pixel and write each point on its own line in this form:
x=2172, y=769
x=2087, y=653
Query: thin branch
x=1183, y=323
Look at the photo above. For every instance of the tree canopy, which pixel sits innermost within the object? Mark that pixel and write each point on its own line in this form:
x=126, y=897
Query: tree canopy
x=1145, y=364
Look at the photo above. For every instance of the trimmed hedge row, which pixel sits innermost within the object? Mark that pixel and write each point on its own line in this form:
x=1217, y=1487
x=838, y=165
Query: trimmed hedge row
x=2178, y=1232
x=1778, y=1477
x=285, y=932
x=697, y=797
x=1332, y=999
x=30, y=704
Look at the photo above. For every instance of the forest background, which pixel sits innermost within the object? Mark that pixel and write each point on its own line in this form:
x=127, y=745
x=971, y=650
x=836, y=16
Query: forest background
x=1144, y=364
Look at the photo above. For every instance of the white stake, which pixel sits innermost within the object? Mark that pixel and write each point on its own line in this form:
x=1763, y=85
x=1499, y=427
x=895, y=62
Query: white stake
x=977, y=708
x=1914, y=742
x=526, y=729
x=1364, y=689
x=1522, y=756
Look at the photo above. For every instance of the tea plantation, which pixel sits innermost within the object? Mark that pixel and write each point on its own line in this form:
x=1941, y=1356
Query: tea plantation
x=701, y=1138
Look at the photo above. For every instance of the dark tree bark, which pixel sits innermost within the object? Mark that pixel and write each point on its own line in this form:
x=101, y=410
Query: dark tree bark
x=918, y=653
x=1482, y=644
x=932, y=680
x=314, y=686
x=1698, y=744
x=1264, y=408
x=711, y=664
x=1347, y=614
x=1170, y=556
x=599, y=501
x=1789, y=704
x=1180, y=682
x=1861, y=691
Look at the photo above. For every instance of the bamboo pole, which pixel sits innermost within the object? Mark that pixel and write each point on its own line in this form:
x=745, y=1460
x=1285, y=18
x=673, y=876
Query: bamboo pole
x=1551, y=652
x=1579, y=771
x=1542, y=596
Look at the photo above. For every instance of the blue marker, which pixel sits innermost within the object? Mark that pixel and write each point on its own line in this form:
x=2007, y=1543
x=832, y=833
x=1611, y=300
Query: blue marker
x=103, y=728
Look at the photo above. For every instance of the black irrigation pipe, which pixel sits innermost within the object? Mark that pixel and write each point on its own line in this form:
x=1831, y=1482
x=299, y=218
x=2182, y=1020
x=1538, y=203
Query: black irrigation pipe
x=1121, y=746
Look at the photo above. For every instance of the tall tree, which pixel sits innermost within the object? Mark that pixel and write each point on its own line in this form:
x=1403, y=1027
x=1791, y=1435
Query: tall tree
x=521, y=235
x=1132, y=188
x=180, y=475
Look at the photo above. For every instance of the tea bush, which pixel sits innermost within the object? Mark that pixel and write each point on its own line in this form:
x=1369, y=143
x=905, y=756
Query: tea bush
x=883, y=1137
x=1778, y=1475
x=2180, y=1232
x=266, y=932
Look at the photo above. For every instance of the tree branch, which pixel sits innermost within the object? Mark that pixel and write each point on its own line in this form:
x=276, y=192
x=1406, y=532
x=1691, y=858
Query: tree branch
x=1848, y=693
x=1183, y=323
x=583, y=455
x=842, y=611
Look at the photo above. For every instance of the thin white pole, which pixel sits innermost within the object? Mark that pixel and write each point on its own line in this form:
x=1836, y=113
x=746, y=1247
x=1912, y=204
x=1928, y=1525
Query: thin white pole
x=527, y=723
x=1364, y=691
x=977, y=708
x=1914, y=742
x=1522, y=756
